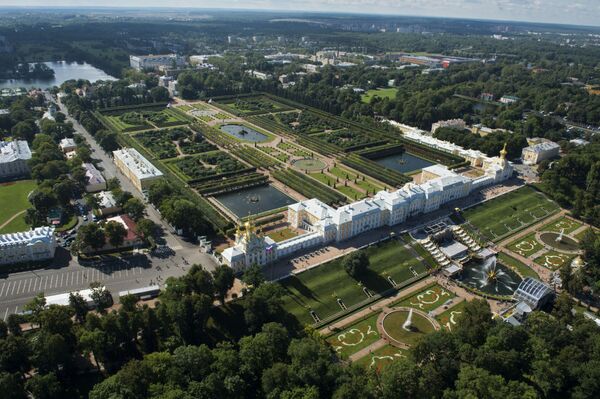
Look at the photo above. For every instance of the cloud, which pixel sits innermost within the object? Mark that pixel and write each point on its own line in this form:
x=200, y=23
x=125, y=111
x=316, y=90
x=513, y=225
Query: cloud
x=556, y=11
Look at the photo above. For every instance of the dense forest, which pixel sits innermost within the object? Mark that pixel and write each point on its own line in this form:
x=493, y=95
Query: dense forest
x=185, y=347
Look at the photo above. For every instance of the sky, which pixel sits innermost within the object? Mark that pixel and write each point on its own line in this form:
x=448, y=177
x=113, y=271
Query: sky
x=577, y=12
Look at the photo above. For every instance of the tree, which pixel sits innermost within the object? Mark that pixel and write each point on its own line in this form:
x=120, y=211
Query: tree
x=159, y=94
x=11, y=386
x=79, y=306
x=253, y=276
x=399, y=380
x=90, y=236
x=478, y=383
x=135, y=208
x=356, y=264
x=45, y=386
x=146, y=229
x=223, y=278
x=100, y=295
x=115, y=233
x=263, y=305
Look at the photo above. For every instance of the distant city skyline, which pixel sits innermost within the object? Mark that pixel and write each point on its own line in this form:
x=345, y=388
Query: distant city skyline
x=576, y=12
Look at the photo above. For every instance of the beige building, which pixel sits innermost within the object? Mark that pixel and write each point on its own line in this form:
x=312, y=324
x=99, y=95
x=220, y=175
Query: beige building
x=138, y=169
x=537, y=153
x=13, y=158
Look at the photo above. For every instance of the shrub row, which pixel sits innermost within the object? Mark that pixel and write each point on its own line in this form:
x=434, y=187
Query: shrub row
x=373, y=169
x=382, y=151
x=308, y=187
x=231, y=184
x=254, y=157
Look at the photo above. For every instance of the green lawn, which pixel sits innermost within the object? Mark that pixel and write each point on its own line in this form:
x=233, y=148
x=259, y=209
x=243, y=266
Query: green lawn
x=355, y=336
x=516, y=265
x=319, y=288
x=579, y=236
x=13, y=198
x=16, y=225
x=420, y=327
x=526, y=246
x=502, y=216
x=554, y=260
x=382, y=357
x=388, y=92
x=450, y=318
x=564, y=223
x=428, y=299
x=283, y=234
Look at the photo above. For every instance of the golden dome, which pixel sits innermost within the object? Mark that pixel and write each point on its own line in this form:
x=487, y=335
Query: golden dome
x=503, y=152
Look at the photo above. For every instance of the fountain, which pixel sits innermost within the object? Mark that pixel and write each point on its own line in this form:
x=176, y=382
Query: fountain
x=490, y=277
x=408, y=323
x=560, y=236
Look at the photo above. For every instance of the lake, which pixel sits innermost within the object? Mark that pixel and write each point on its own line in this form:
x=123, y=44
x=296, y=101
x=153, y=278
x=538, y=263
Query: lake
x=254, y=200
x=63, y=71
x=244, y=133
x=404, y=163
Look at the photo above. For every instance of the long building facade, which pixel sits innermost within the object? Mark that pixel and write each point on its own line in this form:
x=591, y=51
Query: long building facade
x=324, y=224
x=28, y=246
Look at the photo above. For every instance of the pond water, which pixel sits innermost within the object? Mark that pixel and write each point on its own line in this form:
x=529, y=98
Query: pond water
x=404, y=163
x=564, y=244
x=244, y=133
x=254, y=200
x=63, y=71
x=490, y=277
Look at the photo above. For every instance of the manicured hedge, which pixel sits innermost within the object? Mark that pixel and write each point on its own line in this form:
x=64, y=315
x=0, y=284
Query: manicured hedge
x=375, y=170
x=308, y=187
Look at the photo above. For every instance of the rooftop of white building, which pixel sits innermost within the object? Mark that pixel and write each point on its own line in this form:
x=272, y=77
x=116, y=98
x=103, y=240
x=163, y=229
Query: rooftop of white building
x=43, y=234
x=106, y=199
x=14, y=150
x=545, y=146
x=94, y=176
x=137, y=164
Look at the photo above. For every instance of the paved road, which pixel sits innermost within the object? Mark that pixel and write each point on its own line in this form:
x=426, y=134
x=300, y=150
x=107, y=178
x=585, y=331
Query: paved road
x=66, y=274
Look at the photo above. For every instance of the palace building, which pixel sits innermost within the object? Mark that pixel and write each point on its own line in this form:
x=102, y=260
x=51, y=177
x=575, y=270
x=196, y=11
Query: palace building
x=323, y=223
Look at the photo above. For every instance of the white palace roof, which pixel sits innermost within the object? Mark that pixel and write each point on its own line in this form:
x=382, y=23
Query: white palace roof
x=44, y=234
x=13, y=150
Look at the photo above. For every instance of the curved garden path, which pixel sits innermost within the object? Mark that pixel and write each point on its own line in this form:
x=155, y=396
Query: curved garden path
x=16, y=215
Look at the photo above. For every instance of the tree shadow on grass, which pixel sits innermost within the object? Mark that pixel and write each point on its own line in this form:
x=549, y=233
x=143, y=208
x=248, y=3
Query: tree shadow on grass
x=375, y=282
x=294, y=283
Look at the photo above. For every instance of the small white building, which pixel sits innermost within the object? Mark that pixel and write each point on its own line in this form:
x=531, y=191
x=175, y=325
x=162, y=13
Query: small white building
x=537, y=153
x=141, y=62
x=95, y=180
x=28, y=246
x=138, y=169
x=509, y=99
x=13, y=159
x=67, y=145
x=107, y=204
x=451, y=123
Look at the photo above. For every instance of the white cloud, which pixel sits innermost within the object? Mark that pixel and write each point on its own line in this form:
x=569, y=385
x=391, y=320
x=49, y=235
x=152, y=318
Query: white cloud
x=557, y=11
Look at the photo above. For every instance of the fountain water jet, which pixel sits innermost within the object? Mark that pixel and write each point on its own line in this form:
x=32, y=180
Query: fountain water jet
x=408, y=323
x=560, y=236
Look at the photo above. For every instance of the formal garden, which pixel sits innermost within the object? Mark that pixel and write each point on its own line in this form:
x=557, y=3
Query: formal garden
x=205, y=165
x=251, y=105
x=329, y=289
x=501, y=217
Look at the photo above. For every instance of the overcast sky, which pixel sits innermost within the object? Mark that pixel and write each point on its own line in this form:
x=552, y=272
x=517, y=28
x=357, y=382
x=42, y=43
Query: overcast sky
x=579, y=12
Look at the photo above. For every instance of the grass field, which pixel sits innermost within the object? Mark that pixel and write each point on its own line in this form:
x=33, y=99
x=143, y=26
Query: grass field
x=13, y=198
x=569, y=225
x=382, y=357
x=579, y=236
x=428, y=299
x=502, y=216
x=283, y=234
x=526, y=246
x=420, y=327
x=355, y=336
x=318, y=289
x=451, y=317
x=553, y=260
x=519, y=267
x=388, y=92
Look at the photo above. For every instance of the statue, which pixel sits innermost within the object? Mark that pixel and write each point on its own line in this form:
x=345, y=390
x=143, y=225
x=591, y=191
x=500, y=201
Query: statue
x=408, y=323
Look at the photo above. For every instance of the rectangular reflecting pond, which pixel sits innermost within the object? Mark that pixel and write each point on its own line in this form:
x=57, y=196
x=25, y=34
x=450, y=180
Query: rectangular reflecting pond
x=254, y=200
x=404, y=163
x=244, y=133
